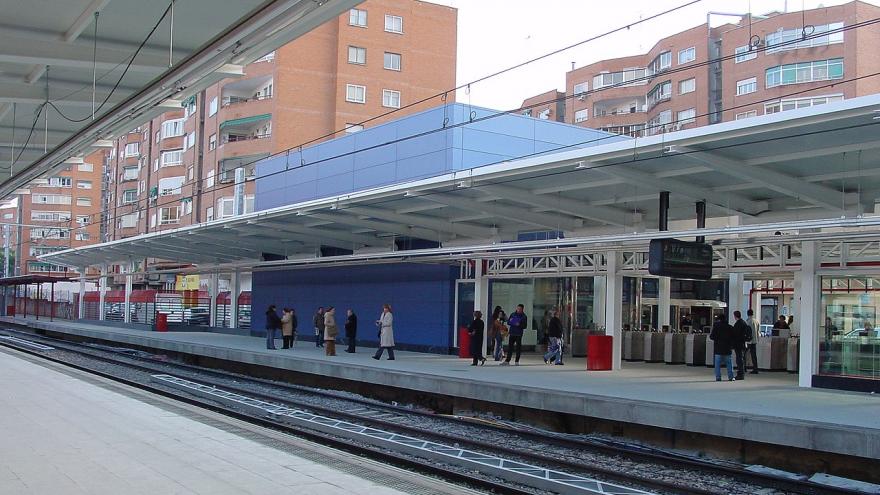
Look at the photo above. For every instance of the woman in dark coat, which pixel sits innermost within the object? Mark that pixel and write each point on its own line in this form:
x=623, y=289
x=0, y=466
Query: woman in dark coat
x=273, y=322
x=475, y=330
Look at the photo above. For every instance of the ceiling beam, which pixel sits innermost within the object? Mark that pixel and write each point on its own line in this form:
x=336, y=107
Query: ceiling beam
x=338, y=235
x=36, y=95
x=379, y=226
x=273, y=246
x=16, y=50
x=508, y=212
x=459, y=229
x=572, y=207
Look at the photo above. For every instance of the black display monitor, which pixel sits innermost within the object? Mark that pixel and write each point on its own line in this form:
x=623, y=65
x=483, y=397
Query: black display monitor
x=680, y=259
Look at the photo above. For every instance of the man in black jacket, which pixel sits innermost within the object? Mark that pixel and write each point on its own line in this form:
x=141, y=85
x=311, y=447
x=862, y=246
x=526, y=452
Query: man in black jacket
x=319, y=327
x=722, y=336
x=351, y=327
x=741, y=335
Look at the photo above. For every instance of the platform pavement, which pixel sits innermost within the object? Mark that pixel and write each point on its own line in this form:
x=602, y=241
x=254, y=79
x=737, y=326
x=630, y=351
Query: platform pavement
x=768, y=407
x=67, y=436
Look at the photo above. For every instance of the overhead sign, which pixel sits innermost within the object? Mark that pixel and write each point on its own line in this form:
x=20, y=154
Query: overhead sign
x=680, y=259
x=187, y=282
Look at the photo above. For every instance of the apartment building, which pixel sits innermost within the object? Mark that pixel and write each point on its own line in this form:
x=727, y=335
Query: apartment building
x=705, y=75
x=61, y=212
x=180, y=168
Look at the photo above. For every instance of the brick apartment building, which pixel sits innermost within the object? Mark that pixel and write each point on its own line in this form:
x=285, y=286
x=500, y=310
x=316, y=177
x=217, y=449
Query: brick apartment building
x=179, y=168
x=705, y=75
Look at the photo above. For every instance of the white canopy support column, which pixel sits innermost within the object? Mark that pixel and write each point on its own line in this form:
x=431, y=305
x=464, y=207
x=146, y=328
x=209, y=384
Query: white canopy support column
x=129, y=278
x=213, y=285
x=81, y=307
x=807, y=294
x=735, y=296
x=102, y=291
x=614, y=307
x=664, y=300
x=481, y=298
x=234, y=289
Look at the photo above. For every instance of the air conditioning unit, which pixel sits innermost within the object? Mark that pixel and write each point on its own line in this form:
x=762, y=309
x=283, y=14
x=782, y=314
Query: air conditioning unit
x=582, y=97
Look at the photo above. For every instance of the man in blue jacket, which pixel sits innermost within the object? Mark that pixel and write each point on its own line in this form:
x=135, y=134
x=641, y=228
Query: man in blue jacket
x=517, y=322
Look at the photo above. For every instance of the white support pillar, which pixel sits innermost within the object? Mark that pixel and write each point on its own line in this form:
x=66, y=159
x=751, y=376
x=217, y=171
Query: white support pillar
x=481, y=298
x=81, y=309
x=614, y=307
x=213, y=286
x=102, y=292
x=807, y=296
x=664, y=289
x=129, y=278
x=234, y=290
x=599, y=300
x=735, y=298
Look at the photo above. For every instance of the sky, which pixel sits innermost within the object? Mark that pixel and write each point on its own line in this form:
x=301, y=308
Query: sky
x=496, y=34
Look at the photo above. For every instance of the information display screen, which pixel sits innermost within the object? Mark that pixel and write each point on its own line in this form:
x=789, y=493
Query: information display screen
x=680, y=259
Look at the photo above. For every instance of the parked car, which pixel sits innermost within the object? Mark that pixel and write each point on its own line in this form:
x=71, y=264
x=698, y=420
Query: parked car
x=197, y=316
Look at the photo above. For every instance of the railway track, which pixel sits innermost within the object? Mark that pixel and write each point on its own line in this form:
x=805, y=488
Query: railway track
x=217, y=386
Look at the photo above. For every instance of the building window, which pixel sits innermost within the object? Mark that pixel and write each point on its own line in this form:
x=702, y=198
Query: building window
x=390, y=98
x=83, y=236
x=392, y=61
x=172, y=128
x=83, y=184
x=83, y=220
x=186, y=203
x=169, y=216
x=129, y=196
x=190, y=140
x=687, y=55
x=819, y=70
x=170, y=185
x=686, y=116
x=172, y=158
x=50, y=216
x=50, y=233
x=357, y=17
x=60, y=182
x=212, y=142
x=357, y=55
x=209, y=214
x=660, y=63
x=352, y=128
x=209, y=180
x=580, y=90
x=628, y=77
x=394, y=24
x=85, y=167
x=747, y=115
x=795, y=103
x=212, y=108
x=132, y=149
x=152, y=220
x=746, y=86
x=659, y=123
x=687, y=86
x=355, y=93
x=128, y=221
x=744, y=53
x=786, y=39
x=82, y=201
x=660, y=92
x=581, y=115
x=50, y=199
x=267, y=57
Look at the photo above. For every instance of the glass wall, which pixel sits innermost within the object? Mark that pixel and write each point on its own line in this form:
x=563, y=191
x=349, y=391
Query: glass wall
x=849, y=344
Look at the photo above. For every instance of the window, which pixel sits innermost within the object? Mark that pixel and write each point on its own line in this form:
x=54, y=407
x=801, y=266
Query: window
x=170, y=185
x=191, y=140
x=225, y=206
x=746, y=86
x=41, y=250
x=212, y=142
x=580, y=89
x=50, y=199
x=659, y=124
x=128, y=221
x=152, y=220
x=820, y=70
x=172, y=128
x=581, y=115
x=187, y=205
x=209, y=214
x=267, y=57
x=795, y=103
x=50, y=216
x=687, y=55
x=129, y=196
x=169, y=216
x=357, y=55
x=660, y=63
x=392, y=61
x=83, y=184
x=83, y=236
x=744, y=53
x=628, y=77
x=83, y=220
x=85, y=167
x=355, y=93
x=394, y=24
x=357, y=17
x=143, y=186
x=132, y=149
x=686, y=116
x=660, y=92
x=60, y=182
x=747, y=115
x=40, y=267
x=83, y=201
x=158, y=136
x=155, y=164
x=846, y=330
x=172, y=158
x=50, y=233
x=209, y=180
x=212, y=108
x=390, y=98
x=352, y=128
x=687, y=86
x=189, y=108
x=787, y=39
x=129, y=173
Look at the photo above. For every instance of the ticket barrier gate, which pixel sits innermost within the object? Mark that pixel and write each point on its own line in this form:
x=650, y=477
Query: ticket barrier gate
x=634, y=346
x=695, y=349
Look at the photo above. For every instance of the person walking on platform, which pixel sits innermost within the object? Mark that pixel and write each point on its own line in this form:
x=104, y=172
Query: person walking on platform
x=741, y=335
x=475, y=330
x=722, y=336
x=319, y=327
x=554, y=332
x=273, y=322
x=386, y=333
x=497, y=331
x=755, y=329
x=351, y=327
x=517, y=322
x=288, y=325
x=330, y=331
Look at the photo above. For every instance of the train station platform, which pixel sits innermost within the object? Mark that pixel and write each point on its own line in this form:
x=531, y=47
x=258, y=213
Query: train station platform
x=69, y=432
x=765, y=409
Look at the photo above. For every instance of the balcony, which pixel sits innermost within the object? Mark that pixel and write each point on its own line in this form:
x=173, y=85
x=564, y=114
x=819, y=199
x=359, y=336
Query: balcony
x=245, y=136
x=228, y=101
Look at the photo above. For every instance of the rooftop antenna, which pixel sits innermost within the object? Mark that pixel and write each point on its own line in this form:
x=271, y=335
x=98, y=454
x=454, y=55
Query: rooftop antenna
x=572, y=65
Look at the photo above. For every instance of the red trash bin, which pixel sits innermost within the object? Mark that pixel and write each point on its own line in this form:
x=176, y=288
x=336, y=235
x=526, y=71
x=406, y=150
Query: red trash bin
x=161, y=322
x=599, y=349
x=10, y=310
x=464, y=343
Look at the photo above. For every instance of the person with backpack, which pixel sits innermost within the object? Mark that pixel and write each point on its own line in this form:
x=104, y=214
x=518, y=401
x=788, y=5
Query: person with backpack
x=722, y=336
x=516, y=323
x=741, y=335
